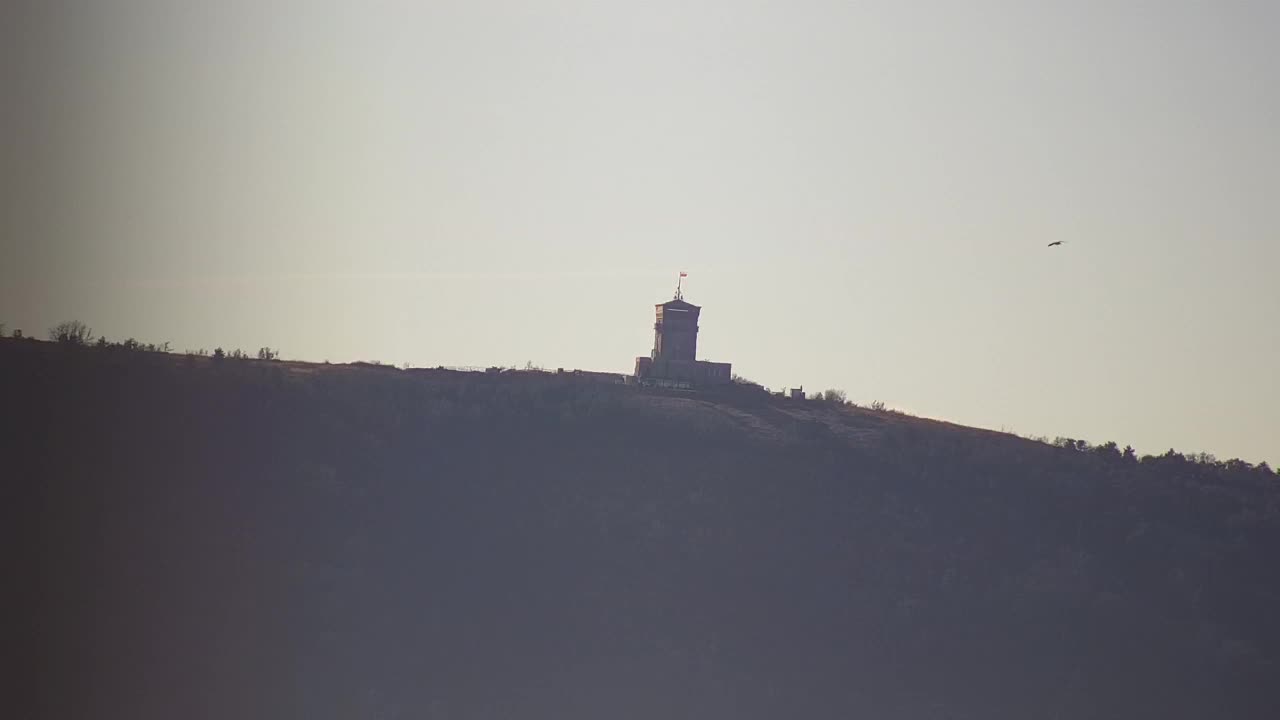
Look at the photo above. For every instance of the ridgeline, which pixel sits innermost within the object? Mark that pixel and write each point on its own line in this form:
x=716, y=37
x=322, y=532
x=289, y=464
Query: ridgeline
x=200, y=538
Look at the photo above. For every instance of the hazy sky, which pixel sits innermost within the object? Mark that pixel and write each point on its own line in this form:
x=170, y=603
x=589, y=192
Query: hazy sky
x=861, y=193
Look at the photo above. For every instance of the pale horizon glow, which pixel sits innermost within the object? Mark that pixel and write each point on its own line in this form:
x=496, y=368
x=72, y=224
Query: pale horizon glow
x=861, y=193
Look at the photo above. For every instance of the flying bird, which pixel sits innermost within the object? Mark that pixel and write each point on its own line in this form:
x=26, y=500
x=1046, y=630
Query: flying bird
x=1056, y=242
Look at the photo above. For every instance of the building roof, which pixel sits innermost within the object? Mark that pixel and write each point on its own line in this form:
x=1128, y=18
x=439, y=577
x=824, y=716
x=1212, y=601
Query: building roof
x=678, y=305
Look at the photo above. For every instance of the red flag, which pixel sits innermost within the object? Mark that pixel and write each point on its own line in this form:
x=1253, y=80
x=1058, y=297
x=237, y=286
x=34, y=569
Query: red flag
x=684, y=274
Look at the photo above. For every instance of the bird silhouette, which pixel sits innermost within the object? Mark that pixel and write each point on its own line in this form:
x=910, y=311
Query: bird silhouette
x=1056, y=242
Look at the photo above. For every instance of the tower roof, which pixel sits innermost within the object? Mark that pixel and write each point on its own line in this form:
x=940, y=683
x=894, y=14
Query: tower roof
x=678, y=304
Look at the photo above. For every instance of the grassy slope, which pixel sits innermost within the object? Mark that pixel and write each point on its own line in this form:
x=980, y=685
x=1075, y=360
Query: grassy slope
x=245, y=539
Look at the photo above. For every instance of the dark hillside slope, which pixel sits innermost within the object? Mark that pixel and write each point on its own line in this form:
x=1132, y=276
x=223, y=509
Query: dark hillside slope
x=200, y=539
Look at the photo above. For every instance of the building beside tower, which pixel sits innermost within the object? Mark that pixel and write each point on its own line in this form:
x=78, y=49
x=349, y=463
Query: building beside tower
x=675, y=347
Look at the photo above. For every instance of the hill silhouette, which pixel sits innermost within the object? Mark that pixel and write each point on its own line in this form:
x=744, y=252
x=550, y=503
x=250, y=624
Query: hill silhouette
x=215, y=538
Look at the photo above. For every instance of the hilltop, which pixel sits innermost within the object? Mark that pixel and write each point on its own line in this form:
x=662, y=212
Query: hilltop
x=242, y=538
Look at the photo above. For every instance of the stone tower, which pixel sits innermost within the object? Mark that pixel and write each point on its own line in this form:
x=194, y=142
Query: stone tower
x=675, y=347
x=675, y=331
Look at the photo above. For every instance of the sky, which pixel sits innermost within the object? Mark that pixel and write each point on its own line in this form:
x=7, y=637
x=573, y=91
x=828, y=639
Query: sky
x=861, y=193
